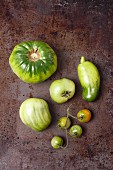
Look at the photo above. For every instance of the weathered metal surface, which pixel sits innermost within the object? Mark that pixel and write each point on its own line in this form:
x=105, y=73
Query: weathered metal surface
x=73, y=28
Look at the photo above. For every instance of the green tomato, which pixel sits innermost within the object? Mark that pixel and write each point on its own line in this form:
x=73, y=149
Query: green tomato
x=84, y=115
x=57, y=142
x=89, y=79
x=62, y=90
x=64, y=123
x=34, y=113
x=75, y=131
x=33, y=61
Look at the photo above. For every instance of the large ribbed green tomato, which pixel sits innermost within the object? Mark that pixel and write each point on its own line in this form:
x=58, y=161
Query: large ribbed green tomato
x=34, y=113
x=33, y=61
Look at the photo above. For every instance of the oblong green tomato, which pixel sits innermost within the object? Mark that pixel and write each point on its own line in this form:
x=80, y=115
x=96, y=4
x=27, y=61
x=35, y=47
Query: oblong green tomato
x=34, y=113
x=89, y=79
x=57, y=142
x=33, y=61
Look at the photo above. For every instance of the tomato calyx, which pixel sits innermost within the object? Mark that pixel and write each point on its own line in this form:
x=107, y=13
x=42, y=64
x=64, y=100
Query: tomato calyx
x=74, y=134
x=34, y=55
x=66, y=93
x=81, y=117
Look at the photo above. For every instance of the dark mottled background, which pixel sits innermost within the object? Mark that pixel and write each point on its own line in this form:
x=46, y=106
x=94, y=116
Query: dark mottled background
x=72, y=28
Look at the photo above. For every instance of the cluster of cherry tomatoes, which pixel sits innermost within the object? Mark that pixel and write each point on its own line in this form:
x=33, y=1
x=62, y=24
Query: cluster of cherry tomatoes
x=75, y=131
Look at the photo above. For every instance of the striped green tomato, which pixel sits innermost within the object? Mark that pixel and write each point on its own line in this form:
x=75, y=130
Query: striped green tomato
x=34, y=113
x=33, y=61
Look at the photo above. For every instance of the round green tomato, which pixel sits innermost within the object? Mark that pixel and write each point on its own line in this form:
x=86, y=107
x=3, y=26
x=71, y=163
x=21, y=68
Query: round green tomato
x=64, y=123
x=33, y=61
x=34, y=113
x=62, y=90
x=84, y=115
x=75, y=131
x=57, y=142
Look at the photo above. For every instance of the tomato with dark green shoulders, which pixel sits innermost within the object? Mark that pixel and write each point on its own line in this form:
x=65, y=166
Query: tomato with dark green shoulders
x=33, y=61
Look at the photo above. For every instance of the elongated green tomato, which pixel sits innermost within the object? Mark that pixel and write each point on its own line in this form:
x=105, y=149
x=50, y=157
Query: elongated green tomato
x=64, y=123
x=33, y=61
x=84, y=115
x=89, y=79
x=75, y=131
x=34, y=113
x=57, y=142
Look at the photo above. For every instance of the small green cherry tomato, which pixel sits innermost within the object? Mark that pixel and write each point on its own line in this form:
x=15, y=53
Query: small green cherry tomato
x=76, y=131
x=84, y=115
x=57, y=142
x=64, y=123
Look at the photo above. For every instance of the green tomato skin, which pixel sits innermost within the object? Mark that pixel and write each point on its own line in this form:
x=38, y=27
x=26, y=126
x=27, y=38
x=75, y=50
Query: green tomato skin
x=35, y=114
x=62, y=90
x=89, y=79
x=76, y=131
x=57, y=142
x=37, y=69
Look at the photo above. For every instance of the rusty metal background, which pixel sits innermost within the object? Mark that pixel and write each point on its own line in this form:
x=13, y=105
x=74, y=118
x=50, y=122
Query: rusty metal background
x=73, y=28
